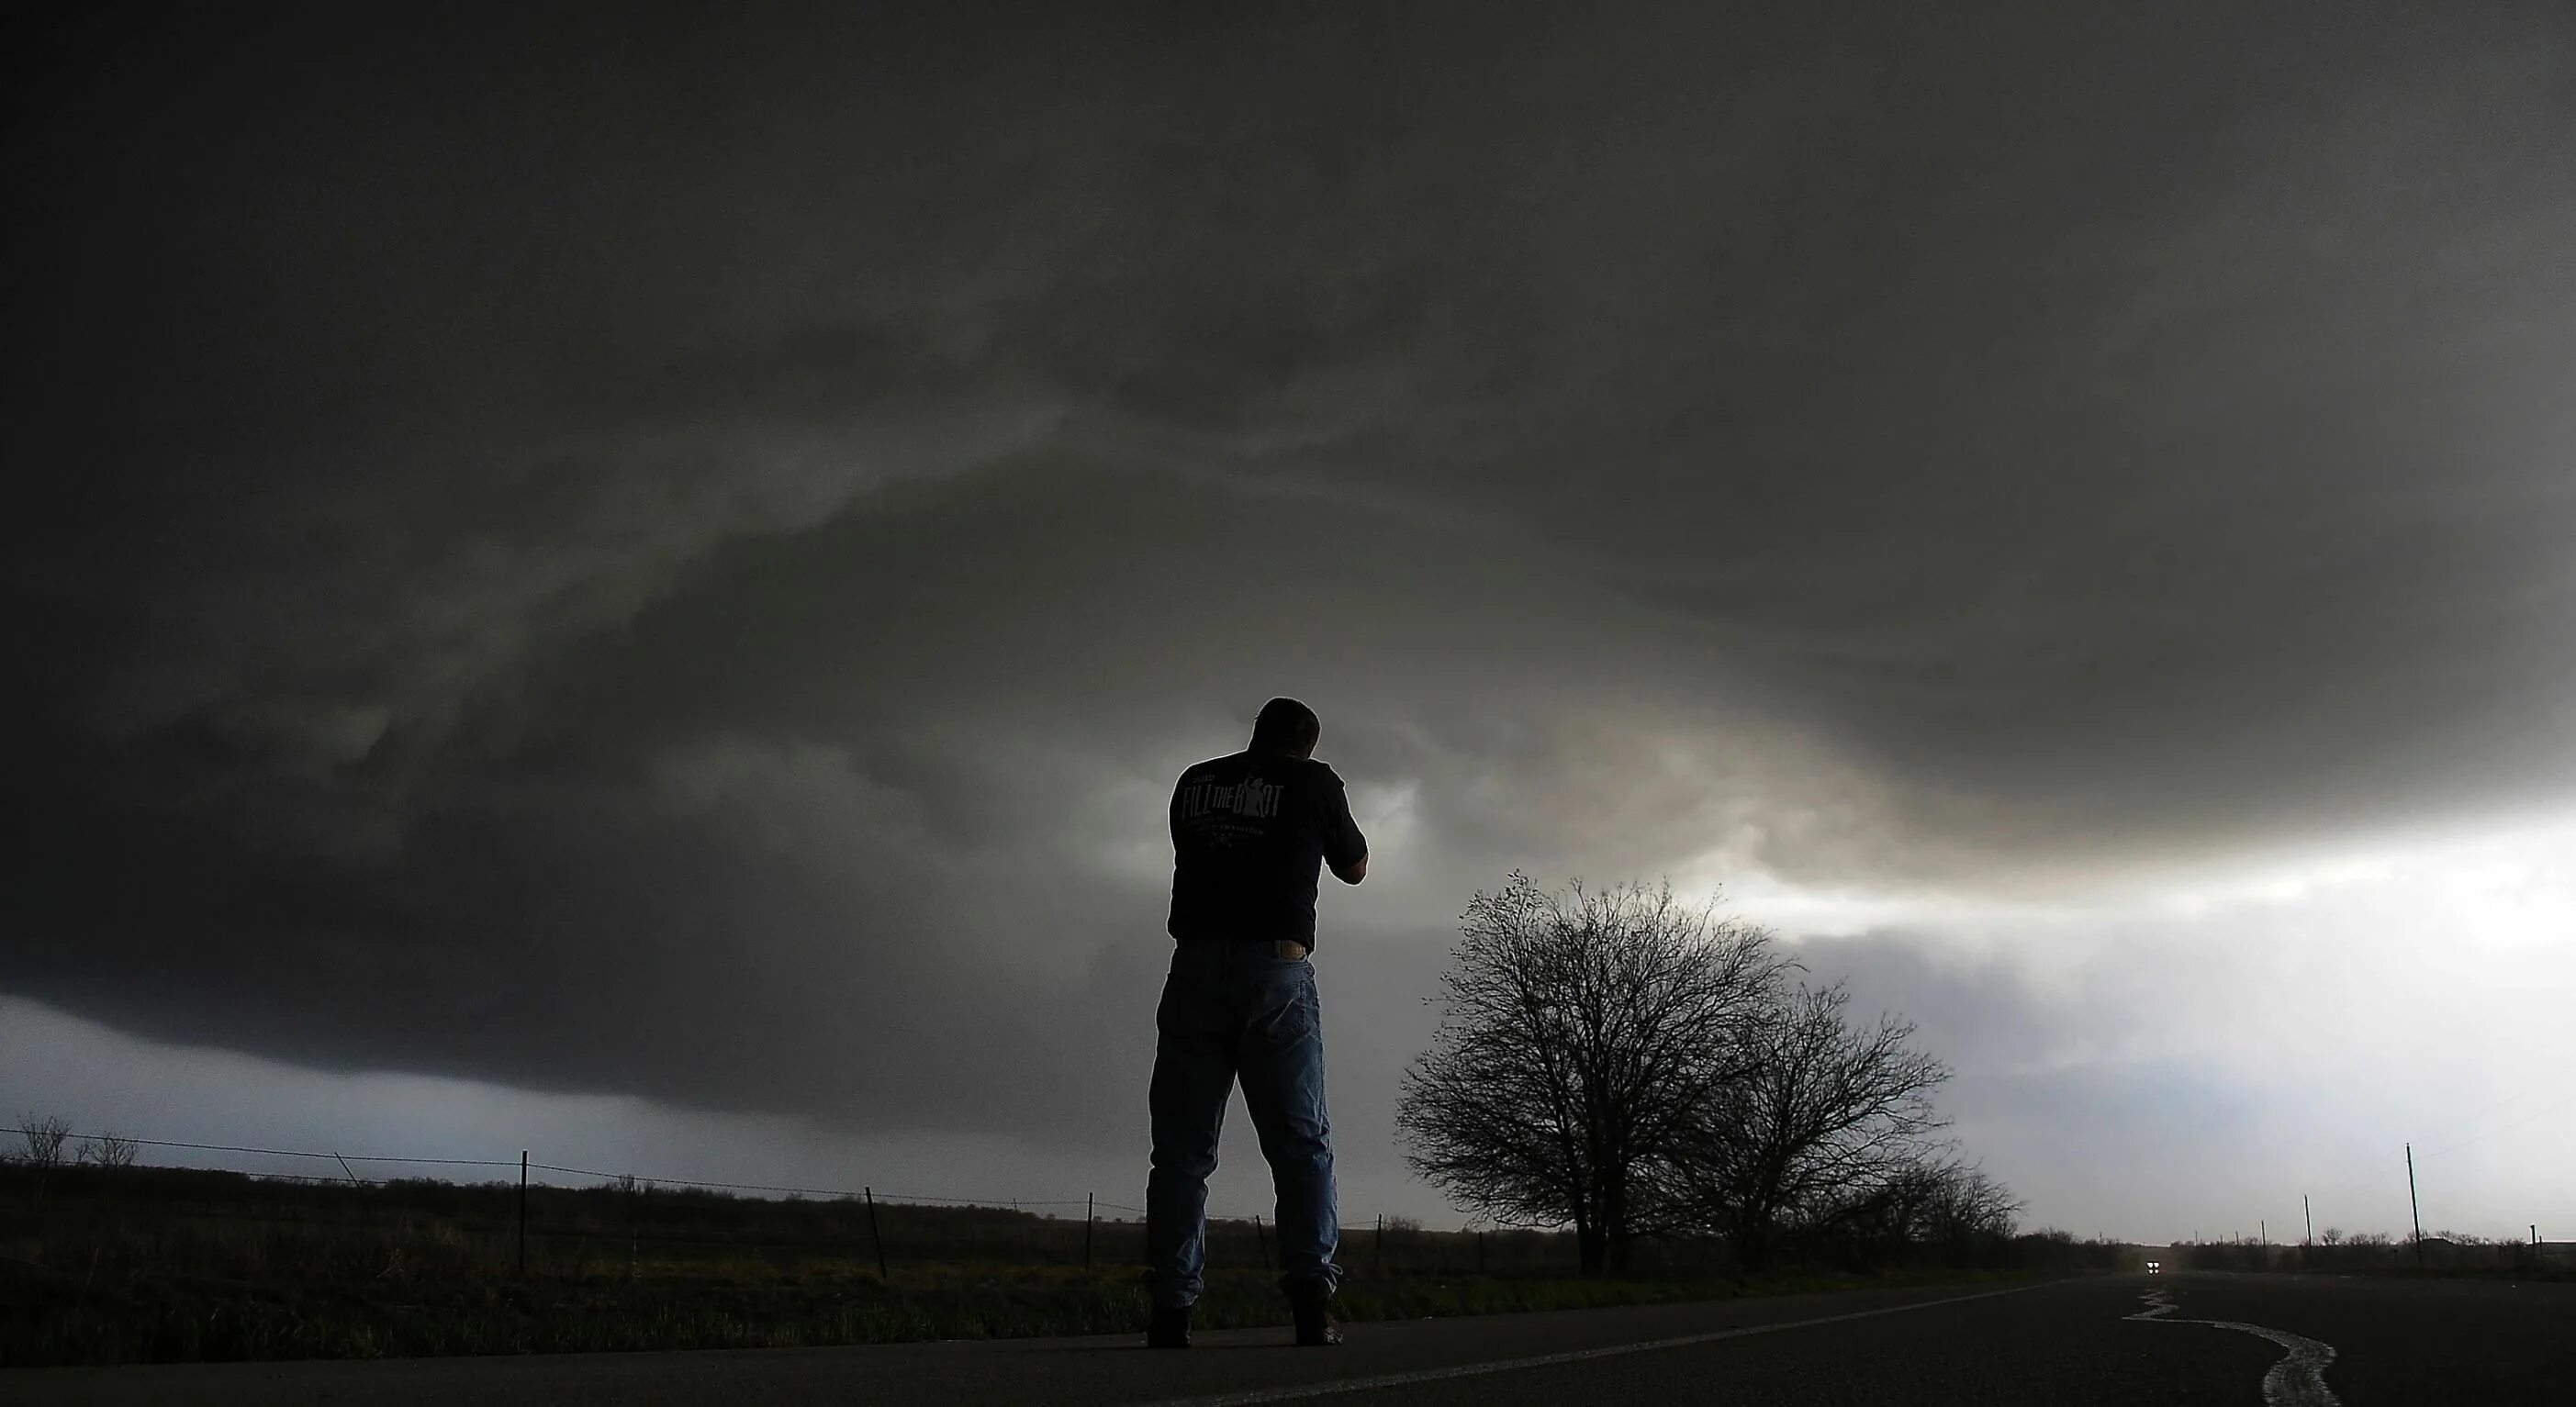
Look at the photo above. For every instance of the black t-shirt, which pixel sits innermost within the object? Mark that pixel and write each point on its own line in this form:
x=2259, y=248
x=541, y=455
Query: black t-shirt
x=1249, y=834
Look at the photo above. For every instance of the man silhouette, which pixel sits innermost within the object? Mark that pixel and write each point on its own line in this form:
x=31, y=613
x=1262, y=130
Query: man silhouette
x=1249, y=833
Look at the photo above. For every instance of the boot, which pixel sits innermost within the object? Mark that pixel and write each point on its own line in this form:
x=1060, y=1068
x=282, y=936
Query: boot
x=1313, y=1306
x=1171, y=1327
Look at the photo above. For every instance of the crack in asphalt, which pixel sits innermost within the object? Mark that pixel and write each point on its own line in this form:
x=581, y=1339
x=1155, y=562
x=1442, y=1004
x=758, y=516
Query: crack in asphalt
x=2297, y=1380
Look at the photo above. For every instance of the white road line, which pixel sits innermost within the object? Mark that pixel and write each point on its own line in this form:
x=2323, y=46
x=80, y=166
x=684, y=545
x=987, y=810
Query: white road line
x=1550, y=1360
x=2298, y=1380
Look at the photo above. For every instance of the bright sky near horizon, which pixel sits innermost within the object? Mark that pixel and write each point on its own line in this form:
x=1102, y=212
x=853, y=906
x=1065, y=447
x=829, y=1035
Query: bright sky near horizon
x=636, y=589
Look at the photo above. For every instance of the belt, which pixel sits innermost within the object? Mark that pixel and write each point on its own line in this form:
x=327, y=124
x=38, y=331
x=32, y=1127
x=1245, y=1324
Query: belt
x=1288, y=948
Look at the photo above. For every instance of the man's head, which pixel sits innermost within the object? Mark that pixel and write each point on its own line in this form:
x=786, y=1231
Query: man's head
x=1288, y=726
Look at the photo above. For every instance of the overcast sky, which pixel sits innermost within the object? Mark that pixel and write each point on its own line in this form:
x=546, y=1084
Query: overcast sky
x=637, y=591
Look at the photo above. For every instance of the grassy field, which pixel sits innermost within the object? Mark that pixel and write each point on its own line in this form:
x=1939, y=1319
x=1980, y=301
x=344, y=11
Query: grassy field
x=168, y=1265
x=2451, y=1256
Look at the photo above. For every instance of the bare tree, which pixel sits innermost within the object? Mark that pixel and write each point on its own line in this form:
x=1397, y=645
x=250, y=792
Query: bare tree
x=1967, y=1205
x=45, y=1136
x=1934, y=1202
x=1829, y=1117
x=110, y=1150
x=1582, y=1035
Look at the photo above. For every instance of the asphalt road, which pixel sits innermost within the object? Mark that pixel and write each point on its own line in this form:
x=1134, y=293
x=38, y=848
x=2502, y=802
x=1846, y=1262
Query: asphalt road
x=2279, y=1339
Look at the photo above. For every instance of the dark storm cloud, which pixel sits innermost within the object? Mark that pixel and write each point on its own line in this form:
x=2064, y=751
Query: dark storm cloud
x=680, y=559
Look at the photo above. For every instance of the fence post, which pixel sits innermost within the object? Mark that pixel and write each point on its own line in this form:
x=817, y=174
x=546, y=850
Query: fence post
x=876, y=1237
x=1090, y=1216
x=1377, y=1249
x=523, y=1213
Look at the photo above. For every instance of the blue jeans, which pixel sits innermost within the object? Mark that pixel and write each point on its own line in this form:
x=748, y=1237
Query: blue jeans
x=1236, y=1010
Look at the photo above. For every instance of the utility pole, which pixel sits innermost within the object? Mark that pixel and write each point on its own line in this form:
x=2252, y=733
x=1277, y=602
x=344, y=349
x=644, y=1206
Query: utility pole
x=523, y=1213
x=2413, y=1205
x=876, y=1237
x=2312, y=1219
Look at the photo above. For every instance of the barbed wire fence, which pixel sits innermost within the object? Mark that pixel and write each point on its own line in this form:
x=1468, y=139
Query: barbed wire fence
x=1043, y=1231
x=539, y=1202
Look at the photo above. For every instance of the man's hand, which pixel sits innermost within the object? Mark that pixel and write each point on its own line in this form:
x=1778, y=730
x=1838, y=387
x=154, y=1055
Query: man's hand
x=1357, y=871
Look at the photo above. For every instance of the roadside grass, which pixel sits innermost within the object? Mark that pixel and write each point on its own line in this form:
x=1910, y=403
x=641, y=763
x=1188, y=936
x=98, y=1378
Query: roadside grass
x=2452, y=1257
x=143, y=1265
x=2532, y=1271
x=183, y=1318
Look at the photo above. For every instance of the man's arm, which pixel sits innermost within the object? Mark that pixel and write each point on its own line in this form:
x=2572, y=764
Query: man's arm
x=1345, y=849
